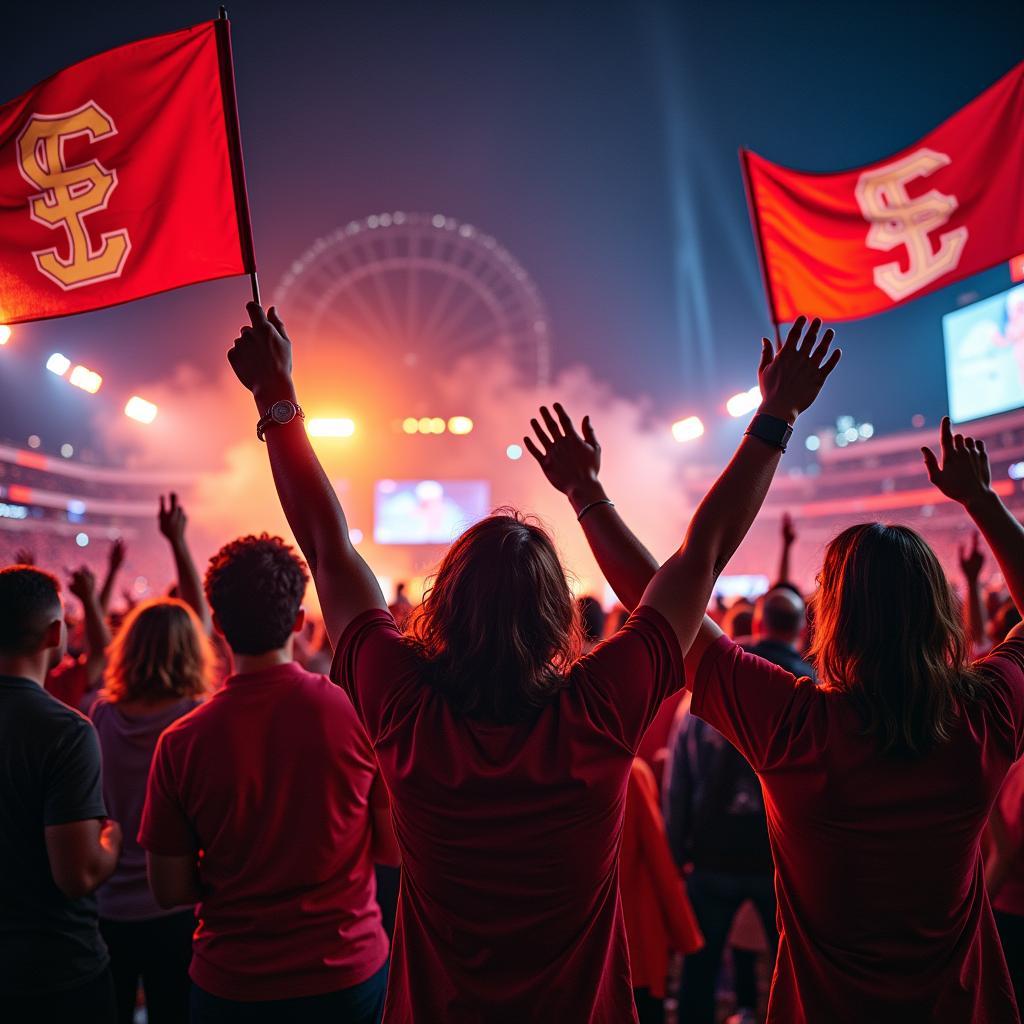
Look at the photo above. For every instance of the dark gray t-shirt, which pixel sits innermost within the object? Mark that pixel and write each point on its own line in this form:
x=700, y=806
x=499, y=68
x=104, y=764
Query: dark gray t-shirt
x=49, y=775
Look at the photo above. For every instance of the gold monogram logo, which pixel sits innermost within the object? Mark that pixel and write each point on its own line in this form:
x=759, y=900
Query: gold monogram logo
x=69, y=194
x=899, y=219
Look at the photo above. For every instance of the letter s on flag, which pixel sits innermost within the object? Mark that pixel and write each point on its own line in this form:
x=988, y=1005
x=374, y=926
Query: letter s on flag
x=944, y=208
x=69, y=194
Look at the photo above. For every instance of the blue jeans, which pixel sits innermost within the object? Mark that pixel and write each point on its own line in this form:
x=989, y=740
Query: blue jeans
x=360, y=1004
x=716, y=897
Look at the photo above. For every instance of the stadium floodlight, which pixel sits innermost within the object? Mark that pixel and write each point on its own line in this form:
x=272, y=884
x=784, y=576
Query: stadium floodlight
x=140, y=410
x=744, y=402
x=86, y=379
x=688, y=429
x=58, y=364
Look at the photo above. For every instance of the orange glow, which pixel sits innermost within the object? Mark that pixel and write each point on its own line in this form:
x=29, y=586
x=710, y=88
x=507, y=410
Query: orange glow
x=31, y=459
x=411, y=425
x=688, y=429
x=5, y=334
x=330, y=427
x=460, y=425
x=139, y=409
x=20, y=494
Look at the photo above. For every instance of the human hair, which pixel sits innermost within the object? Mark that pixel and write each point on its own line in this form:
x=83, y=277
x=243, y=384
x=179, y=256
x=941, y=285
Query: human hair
x=29, y=603
x=161, y=650
x=592, y=618
x=781, y=612
x=255, y=586
x=739, y=619
x=888, y=631
x=498, y=627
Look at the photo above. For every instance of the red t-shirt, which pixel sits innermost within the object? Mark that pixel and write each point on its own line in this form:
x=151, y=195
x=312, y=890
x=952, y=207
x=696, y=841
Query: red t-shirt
x=509, y=908
x=883, y=913
x=270, y=779
x=1010, y=898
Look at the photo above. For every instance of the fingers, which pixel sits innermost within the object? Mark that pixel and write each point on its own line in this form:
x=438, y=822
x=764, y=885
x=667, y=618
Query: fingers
x=588, y=433
x=275, y=319
x=794, y=332
x=533, y=449
x=946, y=436
x=549, y=422
x=931, y=464
x=545, y=441
x=958, y=442
x=820, y=350
x=174, y=502
x=256, y=314
x=832, y=363
x=807, y=343
x=767, y=355
x=564, y=421
x=163, y=508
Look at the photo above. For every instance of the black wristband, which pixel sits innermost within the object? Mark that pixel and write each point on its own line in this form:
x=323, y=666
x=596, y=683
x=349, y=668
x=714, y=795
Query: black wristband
x=771, y=430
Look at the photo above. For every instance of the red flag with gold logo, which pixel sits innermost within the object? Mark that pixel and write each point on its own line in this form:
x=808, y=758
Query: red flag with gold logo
x=853, y=243
x=121, y=176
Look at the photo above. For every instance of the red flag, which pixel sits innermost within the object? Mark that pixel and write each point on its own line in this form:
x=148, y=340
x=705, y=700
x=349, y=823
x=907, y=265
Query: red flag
x=858, y=242
x=121, y=176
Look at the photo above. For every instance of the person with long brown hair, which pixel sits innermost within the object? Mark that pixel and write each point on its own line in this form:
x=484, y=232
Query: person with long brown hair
x=159, y=666
x=506, y=754
x=878, y=782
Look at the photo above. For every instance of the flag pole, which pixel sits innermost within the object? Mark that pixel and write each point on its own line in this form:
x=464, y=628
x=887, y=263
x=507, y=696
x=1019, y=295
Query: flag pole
x=227, y=84
x=755, y=219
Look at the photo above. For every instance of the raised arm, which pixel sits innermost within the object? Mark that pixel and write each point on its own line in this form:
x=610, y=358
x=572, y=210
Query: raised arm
x=262, y=361
x=97, y=633
x=571, y=463
x=962, y=473
x=788, y=540
x=972, y=561
x=115, y=559
x=790, y=378
x=172, y=521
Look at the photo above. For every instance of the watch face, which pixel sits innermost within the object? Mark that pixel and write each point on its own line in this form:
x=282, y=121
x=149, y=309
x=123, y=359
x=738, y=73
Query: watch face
x=282, y=412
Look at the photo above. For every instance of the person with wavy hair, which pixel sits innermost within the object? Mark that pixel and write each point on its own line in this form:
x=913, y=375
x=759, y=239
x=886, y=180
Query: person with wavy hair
x=159, y=667
x=507, y=756
x=878, y=782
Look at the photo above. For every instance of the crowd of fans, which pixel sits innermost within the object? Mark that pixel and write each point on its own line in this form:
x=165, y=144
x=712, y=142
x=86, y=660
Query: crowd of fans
x=207, y=800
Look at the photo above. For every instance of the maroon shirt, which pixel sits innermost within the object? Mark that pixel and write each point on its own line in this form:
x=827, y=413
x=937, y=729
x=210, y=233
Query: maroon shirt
x=270, y=779
x=883, y=912
x=509, y=908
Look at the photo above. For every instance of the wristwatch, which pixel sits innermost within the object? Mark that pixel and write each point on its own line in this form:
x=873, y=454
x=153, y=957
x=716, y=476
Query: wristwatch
x=278, y=414
x=770, y=429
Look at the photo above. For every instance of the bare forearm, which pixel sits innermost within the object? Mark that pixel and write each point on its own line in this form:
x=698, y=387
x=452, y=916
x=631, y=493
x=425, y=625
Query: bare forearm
x=107, y=589
x=1005, y=537
x=97, y=635
x=784, y=563
x=190, y=586
x=729, y=509
x=627, y=565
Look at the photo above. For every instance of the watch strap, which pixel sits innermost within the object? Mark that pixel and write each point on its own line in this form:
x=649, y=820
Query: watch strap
x=770, y=429
x=268, y=420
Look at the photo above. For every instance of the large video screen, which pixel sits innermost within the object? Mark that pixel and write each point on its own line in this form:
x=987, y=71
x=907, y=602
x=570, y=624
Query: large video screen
x=427, y=511
x=985, y=356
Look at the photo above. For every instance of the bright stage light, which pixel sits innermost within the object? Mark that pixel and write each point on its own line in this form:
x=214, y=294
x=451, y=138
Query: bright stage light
x=425, y=425
x=813, y=443
x=688, y=429
x=355, y=535
x=86, y=379
x=411, y=425
x=58, y=364
x=460, y=425
x=331, y=427
x=67, y=450
x=437, y=425
x=34, y=441
x=5, y=334
x=1015, y=471
x=744, y=402
x=82, y=540
x=514, y=451
x=139, y=409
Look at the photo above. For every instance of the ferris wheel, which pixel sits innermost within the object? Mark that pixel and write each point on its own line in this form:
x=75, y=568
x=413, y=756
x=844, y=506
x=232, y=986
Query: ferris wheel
x=417, y=291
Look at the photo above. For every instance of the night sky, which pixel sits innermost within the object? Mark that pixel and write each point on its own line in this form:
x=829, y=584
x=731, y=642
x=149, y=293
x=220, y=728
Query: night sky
x=597, y=142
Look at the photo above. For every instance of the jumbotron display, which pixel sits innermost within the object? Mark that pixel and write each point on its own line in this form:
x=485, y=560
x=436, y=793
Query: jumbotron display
x=427, y=511
x=985, y=356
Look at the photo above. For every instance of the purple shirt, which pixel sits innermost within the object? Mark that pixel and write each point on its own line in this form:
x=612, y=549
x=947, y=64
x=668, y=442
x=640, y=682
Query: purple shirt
x=127, y=743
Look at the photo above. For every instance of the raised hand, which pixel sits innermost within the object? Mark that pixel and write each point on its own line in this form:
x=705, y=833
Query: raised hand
x=171, y=519
x=262, y=356
x=115, y=558
x=83, y=584
x=792, y=375
x=972, y=560
x=788, y=530
x=963, y=473
x=571, y=462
